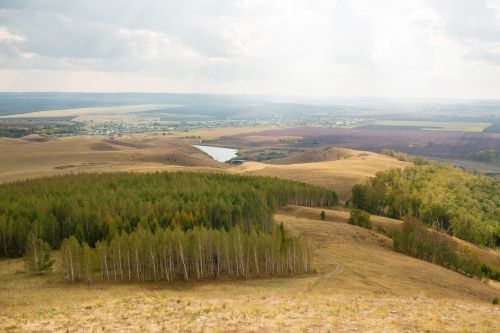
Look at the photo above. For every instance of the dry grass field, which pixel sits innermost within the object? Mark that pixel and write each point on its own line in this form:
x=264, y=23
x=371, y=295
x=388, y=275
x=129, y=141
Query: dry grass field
x=338, y=173
x=385, y=226
x=361, y=284
x=36, y=156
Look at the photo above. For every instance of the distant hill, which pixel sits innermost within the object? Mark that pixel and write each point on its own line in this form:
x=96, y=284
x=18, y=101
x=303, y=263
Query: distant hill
x=314, y=155
x=34, y=155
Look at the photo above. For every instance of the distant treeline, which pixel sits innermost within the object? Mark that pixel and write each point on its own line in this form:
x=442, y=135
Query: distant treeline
x=45, y=126
x=401, y=156
x=461, y=203
x=197, y=254
x=489, y=156
x=100, y=207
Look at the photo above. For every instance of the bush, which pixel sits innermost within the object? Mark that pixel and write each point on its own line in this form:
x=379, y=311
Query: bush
x=322, y=215
x=490, y=272
x=495, y=300
x=360, y=218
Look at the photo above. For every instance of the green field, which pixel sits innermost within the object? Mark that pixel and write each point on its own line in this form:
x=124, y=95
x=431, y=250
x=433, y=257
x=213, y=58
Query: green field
x=436, y=126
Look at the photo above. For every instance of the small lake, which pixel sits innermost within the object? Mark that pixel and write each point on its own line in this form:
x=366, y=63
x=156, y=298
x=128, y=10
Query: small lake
x=218, y=153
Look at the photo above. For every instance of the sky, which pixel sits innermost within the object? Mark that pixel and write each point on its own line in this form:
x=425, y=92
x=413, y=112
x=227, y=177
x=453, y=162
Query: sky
x=306, y=48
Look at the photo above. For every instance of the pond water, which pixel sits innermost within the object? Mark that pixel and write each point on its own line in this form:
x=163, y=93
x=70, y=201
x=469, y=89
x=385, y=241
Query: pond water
x=218, y=153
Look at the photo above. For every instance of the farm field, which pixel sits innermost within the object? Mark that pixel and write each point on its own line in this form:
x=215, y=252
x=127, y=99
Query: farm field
x=443, y=145
x=216, y=133
x=434, y=125
x=78, y=112
x=360, y=284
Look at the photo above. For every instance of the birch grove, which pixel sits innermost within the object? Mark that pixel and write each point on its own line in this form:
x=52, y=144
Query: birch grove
x=196, y=254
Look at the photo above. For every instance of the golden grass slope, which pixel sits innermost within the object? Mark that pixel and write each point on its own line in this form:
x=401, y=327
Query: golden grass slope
x=361, y=285
x=384, y=226
x=339, y=174
x=34, y=157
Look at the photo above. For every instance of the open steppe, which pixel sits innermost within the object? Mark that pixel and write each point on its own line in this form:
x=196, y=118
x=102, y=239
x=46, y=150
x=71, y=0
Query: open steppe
x=35, y=156
x=337, y=169
x=361, y=284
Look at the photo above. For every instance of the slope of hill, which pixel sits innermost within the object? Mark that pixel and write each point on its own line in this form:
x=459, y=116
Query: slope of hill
x=314, y=155
x=35, y=156
x=40, y=156
x=339, y=174
x=386, y=226
x=361, y=284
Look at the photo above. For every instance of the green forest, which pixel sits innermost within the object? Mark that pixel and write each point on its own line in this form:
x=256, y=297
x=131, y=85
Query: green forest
x=464, y=204
x=97, y=209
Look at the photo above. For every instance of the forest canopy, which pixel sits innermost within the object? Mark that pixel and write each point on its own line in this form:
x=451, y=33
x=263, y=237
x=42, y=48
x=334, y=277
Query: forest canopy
x=464, y=204
x=100, y=207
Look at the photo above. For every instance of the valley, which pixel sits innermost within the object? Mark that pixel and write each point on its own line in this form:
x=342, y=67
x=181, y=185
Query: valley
x=35, y=156
x=357, y=273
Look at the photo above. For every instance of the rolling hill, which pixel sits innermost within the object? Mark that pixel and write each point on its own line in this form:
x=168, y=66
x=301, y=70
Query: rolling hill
x=35, y=156
x=323, y=167
x=361, y=283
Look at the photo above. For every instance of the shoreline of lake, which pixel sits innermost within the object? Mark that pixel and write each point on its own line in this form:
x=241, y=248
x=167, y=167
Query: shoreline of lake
x=219, y=154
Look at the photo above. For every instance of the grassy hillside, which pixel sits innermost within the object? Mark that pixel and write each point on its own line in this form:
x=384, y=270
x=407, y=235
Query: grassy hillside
x=35, y=157
x=314, y=155
x=361, y=283
x=388, y=227
x=340, y=174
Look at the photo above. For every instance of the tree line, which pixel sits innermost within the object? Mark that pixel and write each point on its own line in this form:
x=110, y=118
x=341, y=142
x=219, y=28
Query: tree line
x=417, y=241
x=195, y=254
x=100, y=207
x=461, y=203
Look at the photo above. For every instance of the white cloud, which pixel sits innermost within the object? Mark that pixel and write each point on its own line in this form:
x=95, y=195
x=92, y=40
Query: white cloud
x=414, y=48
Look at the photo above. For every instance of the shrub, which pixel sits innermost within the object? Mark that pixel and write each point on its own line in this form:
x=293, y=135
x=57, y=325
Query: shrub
x=490, y=272
x=360, y=218
x=322, y=215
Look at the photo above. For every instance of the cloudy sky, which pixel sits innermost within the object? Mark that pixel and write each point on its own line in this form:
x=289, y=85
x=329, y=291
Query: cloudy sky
x=383, y=48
